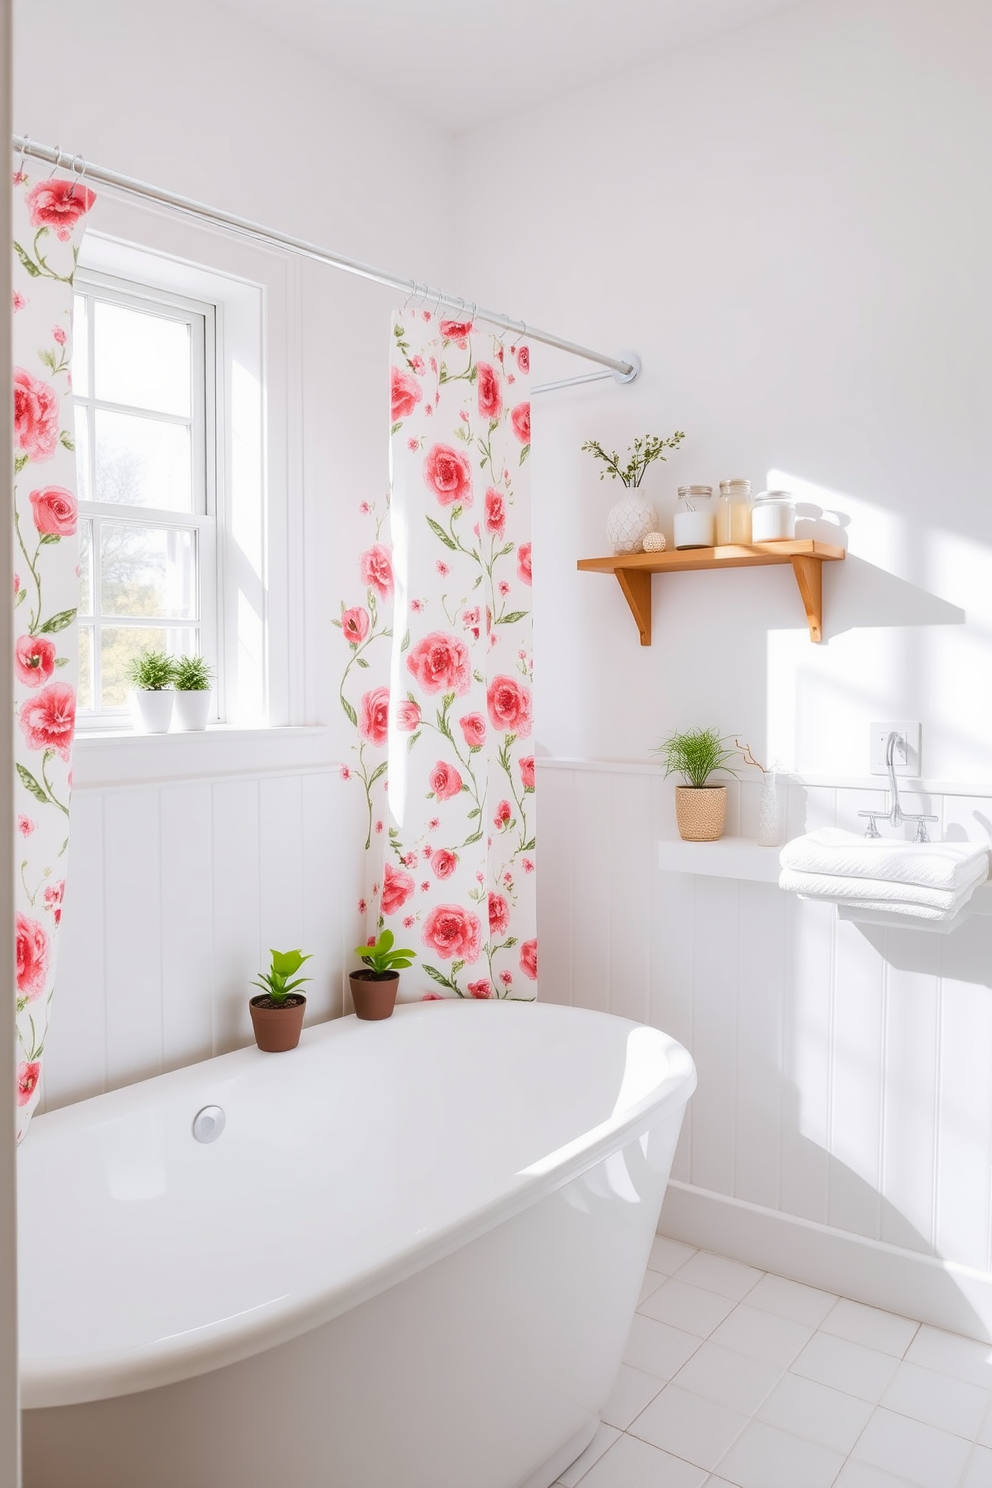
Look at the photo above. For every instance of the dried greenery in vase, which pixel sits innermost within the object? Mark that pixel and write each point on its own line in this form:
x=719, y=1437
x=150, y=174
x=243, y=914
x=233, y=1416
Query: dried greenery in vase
x=641, y=454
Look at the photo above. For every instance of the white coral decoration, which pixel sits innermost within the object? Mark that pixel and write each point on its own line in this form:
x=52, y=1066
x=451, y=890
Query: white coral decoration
x=655, y=542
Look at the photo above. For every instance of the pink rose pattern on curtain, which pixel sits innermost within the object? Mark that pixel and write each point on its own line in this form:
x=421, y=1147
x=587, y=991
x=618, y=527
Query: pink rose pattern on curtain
x=48, y=223
x=439, y=677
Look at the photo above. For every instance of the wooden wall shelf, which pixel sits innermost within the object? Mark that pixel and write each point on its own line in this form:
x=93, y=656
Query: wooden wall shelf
x=633, y=572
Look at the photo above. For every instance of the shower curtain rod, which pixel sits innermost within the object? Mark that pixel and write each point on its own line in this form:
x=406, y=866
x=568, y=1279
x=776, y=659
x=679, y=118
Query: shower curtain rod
x=623, y=368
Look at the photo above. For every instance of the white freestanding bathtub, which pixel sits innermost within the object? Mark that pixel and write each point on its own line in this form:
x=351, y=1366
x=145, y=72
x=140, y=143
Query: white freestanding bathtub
x=410, y=1260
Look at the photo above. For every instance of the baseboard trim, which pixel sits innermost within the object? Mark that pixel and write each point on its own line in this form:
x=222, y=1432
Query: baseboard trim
x=935, y=1291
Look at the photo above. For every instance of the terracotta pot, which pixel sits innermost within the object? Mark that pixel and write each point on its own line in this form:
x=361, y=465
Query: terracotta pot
x=277, y=1029
x=700, y=811
x=374, y=995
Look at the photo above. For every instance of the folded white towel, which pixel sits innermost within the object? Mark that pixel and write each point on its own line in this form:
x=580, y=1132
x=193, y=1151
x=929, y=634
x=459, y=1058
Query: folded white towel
x=936, y=865
x=851, y=890
x=893, y=908
x=878, y=895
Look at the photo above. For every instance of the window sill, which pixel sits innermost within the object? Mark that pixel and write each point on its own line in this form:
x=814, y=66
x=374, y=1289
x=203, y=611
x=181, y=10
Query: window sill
x=122, y=758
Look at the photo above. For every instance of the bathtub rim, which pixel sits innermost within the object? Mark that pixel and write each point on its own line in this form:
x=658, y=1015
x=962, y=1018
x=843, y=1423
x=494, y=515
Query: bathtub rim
x=50, y=1381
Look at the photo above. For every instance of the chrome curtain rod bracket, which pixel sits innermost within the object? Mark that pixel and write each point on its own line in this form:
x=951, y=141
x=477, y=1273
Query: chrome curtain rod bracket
x=625, y=367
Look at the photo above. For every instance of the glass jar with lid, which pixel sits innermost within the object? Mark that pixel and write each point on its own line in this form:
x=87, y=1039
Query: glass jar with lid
x=694, y=519
x=733, y=512
x=773, y=517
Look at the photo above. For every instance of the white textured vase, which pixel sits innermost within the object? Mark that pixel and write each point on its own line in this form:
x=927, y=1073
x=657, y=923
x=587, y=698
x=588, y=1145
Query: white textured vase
x=629, y=523
x=151, y=712
x=768, y=815
x=192, y=709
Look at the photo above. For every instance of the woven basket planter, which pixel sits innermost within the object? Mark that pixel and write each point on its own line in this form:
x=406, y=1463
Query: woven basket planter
x=700, y=811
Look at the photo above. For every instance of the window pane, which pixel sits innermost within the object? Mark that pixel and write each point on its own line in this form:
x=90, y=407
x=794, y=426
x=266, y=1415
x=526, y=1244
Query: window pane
x=84, y=695
x=141, y=359
x=119, y=644
x=80, y=347
x=82, y=453
x=85, y=568
x=147, y=571
x=143, y=462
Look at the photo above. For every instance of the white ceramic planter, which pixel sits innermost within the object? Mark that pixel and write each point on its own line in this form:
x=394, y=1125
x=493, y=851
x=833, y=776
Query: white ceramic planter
x=192, y=709
x=151, y=712
x=629, y=523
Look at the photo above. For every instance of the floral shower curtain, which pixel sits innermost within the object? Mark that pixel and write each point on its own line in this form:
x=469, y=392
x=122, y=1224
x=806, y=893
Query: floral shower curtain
x=438, y=681
x=48, y=224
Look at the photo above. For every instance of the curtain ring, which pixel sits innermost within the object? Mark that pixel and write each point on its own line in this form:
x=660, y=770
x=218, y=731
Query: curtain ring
x=77, y=177
x=410, y=294
x=437, y=306
x=520, y=335
x=25, y=141
x=58, y=162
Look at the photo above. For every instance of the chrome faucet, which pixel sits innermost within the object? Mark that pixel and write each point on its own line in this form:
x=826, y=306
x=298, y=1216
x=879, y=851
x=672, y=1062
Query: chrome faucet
x=895, y=815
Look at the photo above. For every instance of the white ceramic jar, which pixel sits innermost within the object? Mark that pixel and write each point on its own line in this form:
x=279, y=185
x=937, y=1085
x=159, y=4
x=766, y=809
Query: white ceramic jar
x=773, y=517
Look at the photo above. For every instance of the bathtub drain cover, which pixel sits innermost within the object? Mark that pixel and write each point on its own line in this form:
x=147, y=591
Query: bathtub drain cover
x=208, y=1123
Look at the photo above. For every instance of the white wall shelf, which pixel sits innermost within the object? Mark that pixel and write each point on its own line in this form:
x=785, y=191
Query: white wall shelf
x=729, y=857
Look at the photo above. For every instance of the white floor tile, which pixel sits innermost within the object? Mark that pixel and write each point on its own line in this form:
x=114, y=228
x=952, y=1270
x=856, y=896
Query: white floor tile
x=604, y=1438
x=658, y=1349
x=632, y=1392
x=691, y=1308
x=985, y=1433
x=949, y=1353
x=762, y=1335
x=885, y=1331
x=698, y=1430
x=921, y=1454
x=950, y=1404
x=846, y=1366
x=791, y=1299
x=978, y=1473
x=734, y=1380
x=631, y=1463
x=764, y=1457
x=652, y=1281
x=863, y=1475
x=668, y=1255
x=718, y=1274
x=816, y=1412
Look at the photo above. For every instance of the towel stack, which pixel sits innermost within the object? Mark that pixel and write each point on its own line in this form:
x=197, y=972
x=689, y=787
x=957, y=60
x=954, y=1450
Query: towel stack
x=925, y=880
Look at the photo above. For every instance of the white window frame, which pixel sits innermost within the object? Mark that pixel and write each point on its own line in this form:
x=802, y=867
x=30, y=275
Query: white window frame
x=201, y=316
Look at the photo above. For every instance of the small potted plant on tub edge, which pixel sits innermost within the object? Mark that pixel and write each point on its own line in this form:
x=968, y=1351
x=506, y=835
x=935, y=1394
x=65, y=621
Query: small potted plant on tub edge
x=700, y=808
x=277, y=1013
x=374, y=988
x=151, y=676
x=192, y=679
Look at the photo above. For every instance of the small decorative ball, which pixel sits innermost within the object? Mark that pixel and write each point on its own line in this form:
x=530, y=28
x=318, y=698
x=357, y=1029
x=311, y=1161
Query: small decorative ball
x=655, y=542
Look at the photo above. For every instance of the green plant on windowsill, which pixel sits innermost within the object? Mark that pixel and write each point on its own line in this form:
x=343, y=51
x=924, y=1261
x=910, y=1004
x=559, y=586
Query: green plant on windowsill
x=192, y=674
x=151, y=671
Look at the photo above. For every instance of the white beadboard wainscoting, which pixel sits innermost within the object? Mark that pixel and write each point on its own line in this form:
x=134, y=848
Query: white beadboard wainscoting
x=176, y=890
x=841, y=1132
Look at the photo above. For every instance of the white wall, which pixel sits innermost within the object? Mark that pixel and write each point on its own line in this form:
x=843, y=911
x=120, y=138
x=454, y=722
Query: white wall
x=788, y=223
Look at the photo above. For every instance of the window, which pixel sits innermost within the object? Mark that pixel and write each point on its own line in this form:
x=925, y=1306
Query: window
x=144, y=390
